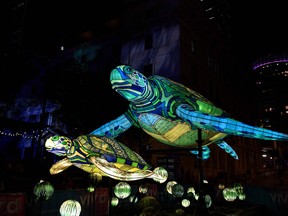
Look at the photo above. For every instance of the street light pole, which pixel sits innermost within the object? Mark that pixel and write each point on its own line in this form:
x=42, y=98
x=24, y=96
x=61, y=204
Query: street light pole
x=201, y=209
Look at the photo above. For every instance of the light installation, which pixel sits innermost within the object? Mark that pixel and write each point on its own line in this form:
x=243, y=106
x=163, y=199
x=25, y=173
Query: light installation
x=43, y=190
x=122, y=190
x=100, y=156
x=70, y=208
x=230, y=194
x=177, y=190
x=169, y=186
x=173, y=114
x=114, y=201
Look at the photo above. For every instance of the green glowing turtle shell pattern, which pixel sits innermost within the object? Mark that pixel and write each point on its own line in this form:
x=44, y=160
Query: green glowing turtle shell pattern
x=107, y=148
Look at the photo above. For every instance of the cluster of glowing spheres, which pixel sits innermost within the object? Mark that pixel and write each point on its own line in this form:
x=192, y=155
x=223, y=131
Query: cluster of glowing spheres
x=231, y=193
x=122, y=190
x=70, y=208
x=44, y=190
x=175, y=189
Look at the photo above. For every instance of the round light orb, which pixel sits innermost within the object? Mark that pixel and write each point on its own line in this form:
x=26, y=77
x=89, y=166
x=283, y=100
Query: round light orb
x=242, y=196
x=229, y=194
x=169, y=186
x=208, y=200
x=114, y=201
x=70, y=208
x=122, y=190
x=177, y=190
x=161, y=173
x=43, y=189
x=185, y=203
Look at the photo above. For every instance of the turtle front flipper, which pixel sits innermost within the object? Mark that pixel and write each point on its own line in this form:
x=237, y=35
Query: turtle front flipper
x=112, y=171
x=114, y=128
x=60, y=166
x=226, y=125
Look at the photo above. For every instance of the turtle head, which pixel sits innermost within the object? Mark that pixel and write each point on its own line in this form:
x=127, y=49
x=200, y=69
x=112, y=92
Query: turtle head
x=128, y=82
x=58, y=145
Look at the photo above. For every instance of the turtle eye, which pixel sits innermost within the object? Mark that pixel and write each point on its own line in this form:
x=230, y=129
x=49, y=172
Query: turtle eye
x=55, y=138
x=128, y=69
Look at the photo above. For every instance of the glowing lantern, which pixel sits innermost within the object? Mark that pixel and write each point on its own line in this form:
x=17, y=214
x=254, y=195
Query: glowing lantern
x=185, y=203
x=177, y=190
x=122, y=190
x=169, y=186
x=238, y=187
x=229, y=194
x=221, y=186
x=191, y=192
x=143, y=189
x=162, y=173
x=133, y=199
x=208, y=201
x=90, y=188
x=43, y=189
x=114, y=201
x=148, y=201
x=179, y=212
x=70, y=208
x=242, y=196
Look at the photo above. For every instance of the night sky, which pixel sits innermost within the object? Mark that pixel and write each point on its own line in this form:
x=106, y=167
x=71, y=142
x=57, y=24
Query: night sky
x=258, y=28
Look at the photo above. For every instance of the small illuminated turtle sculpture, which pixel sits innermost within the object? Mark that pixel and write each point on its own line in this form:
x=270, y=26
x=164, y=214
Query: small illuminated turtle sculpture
x=174, y=114
x=101, y=155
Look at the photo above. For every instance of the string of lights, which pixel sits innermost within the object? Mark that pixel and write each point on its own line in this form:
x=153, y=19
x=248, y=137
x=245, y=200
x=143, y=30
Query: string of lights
x=27, y=135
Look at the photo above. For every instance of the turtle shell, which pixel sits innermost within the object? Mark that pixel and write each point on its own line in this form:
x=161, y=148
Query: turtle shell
x=109, y=149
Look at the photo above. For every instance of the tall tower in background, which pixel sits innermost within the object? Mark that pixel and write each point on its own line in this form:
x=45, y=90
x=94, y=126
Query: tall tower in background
x=271, y=75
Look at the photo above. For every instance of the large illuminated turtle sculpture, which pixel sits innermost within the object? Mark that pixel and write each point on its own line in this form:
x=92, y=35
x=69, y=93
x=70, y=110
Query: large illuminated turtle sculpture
x=100, y=155
x=174, y=114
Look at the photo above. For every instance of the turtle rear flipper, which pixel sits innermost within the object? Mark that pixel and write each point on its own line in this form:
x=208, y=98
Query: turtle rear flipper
x=226, y=125
x=228, y=149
